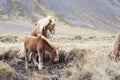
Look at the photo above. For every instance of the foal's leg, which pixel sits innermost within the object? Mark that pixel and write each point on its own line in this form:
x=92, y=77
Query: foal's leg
x=30, y=55
x=34, y=57
x=26, y=59
x=40, y=66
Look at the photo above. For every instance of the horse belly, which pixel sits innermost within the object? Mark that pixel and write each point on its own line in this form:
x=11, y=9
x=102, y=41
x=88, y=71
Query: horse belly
x=32, y=46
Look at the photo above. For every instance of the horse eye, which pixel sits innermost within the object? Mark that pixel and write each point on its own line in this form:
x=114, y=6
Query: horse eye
x=50, y=20
x=52, y=48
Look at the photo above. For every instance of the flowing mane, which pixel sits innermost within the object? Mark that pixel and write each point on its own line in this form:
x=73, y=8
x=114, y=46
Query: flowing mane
x=46, y=40
x=45, y=26
x=43, y=23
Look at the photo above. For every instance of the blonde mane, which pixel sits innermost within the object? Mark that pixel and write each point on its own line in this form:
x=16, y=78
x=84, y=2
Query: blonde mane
x=53, y=21
x=43, y=22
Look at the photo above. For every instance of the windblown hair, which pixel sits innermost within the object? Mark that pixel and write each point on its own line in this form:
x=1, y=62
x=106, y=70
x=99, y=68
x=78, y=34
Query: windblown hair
x=45, y=40
x=115, y=54
x=44, y=26
x=43, y=22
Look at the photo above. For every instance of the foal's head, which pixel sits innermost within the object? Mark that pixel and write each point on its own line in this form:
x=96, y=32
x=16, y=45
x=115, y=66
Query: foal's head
x=50, y=48
x=54, y=54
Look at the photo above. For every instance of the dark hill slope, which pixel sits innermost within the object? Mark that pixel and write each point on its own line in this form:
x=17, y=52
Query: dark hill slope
x=95, y=14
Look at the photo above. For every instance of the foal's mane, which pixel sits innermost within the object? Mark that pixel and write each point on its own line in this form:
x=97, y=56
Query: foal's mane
x=46, y=41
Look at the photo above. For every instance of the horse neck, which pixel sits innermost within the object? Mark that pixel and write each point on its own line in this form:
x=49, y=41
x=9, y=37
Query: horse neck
x=48, y=46
x=44, y=31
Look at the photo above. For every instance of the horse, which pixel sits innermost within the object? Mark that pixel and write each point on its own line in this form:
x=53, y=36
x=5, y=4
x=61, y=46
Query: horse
x=44, y=26
x=36, y=45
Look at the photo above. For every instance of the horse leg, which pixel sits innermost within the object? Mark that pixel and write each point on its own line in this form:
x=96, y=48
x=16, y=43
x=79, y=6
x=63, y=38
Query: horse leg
x=34, y=57
x=40, y=66
x=30, y=55
x=26, y=59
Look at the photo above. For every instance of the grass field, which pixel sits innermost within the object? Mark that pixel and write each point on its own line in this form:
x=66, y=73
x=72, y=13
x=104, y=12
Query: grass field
x=83, y=54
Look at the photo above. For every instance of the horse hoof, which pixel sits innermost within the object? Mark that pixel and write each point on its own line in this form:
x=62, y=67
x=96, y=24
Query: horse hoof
x=26, y=68
x=40, y=67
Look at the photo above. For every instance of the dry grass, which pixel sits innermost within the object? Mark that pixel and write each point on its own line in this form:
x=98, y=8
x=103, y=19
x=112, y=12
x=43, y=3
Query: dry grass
x=9, y=51
x=6, y=72
x=85, y=54
x=36, y=76
x=94, y=65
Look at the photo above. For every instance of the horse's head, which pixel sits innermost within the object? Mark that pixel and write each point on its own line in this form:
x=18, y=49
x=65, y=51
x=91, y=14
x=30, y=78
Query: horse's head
x=52, y=29
x=55, y=55
x=52, y=25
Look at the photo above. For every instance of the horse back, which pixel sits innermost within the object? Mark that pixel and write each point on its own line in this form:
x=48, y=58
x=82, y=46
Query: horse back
x=31, y=43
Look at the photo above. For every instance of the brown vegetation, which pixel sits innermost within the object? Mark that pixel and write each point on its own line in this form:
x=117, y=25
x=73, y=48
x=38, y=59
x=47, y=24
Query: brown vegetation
x=83, y=56
x=6, y=72
x=115, y=54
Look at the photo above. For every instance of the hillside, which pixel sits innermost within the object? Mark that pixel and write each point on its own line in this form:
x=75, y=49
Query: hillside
x=7, y=27
x=95, y=14
x=22, y=10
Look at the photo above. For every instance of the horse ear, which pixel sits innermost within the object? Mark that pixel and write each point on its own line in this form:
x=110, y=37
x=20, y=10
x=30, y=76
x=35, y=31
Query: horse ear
x=50, y=20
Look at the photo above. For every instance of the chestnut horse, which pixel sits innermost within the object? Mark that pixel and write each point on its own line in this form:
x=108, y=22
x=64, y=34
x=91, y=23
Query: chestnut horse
x=44, y=26
x=36, y=45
